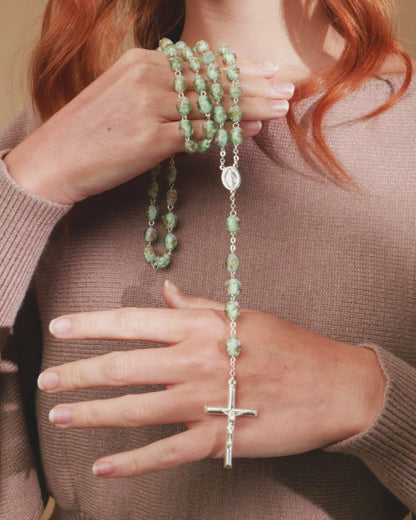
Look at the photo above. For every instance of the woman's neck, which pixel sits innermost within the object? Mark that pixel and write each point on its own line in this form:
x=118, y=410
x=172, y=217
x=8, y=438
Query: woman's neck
x=296, y=34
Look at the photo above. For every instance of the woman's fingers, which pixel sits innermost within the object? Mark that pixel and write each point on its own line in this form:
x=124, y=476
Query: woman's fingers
x=188, y=446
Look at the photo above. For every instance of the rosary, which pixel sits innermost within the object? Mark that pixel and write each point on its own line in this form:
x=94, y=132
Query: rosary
x=209, y=104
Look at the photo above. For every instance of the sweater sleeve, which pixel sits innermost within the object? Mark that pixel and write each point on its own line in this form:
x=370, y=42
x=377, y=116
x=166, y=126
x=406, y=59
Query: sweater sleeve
x=388, y=447
x=26, y=222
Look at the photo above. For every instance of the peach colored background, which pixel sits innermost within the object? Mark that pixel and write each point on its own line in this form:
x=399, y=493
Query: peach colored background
x=20, y=24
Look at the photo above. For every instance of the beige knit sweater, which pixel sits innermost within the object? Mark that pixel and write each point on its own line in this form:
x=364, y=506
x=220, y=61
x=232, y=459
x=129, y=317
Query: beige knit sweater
x=338, y=261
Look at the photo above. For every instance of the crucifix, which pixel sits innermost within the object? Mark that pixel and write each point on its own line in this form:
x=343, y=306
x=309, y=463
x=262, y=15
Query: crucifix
x=232, y=413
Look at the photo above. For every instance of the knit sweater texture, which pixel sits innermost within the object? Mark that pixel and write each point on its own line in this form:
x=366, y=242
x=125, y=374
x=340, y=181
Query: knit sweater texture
x=338, y=260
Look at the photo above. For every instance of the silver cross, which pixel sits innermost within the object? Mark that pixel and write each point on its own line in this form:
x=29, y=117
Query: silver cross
x=232, y=413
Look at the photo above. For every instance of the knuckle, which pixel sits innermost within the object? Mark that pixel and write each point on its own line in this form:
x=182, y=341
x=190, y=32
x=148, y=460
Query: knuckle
x=133, y=411
x=116, y=367
x=131, y=56
x=91, y=416
x=168, y=456
x=75, y=375
x=128, y=322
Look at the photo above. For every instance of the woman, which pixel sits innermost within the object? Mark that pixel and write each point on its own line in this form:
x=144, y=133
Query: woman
x=333, y=385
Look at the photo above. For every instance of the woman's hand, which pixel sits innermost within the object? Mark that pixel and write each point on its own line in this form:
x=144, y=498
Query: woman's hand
x=124, y=123
x=309, y=391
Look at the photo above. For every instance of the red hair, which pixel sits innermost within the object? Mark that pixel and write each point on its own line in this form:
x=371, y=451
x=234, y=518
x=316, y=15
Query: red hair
x=80, y=39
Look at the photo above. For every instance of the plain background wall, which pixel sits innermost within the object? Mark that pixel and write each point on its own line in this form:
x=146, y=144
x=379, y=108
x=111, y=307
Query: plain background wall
x=20, y=24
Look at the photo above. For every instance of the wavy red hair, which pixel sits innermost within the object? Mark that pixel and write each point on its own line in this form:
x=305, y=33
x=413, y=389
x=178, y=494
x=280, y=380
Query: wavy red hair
x=80, y=39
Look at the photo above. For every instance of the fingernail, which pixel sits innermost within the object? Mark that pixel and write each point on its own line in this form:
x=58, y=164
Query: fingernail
x=268, y=66
x=101, y=469
x=172, y=287
x=60, y=326
x=279, y=107
x=284, y=89
x=48, y=381
x=60, y=415
x=253, y=127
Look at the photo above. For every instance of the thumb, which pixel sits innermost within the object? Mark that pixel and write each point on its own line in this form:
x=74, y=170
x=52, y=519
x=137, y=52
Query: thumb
x=176, y=299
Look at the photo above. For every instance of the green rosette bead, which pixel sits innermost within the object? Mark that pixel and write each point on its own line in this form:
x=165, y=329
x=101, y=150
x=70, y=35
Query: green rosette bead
x=153, y=190
x=169, y=221
x=223, y=48
x=233, y=263
x=183, y=106
x=171, y=173
x=152, y=212
x=233, y=73
x=236, y=136
x=209, y=128
x=219, y=114
x=213, y=72
x=176, y=63
x=149, y=254
x=208, y=57
x=180, y=45
x=187, y=53
x=221, y=139
x=233, y=347
x=216, y=92
x=235, y=91
x=171, y=197
x=204, y=104
x=191, y=146
x=161, y=262
x=170, y=50
x=232, y=224
x=194, y=64
x=164, y=42
x=150, y=235
x=204, y=145
x=201, y=46
x=232, y=310
x=235, y=113
x=233, y=287
x=180, y=84
x=186, y=128
x=170, y=241
x=229, y=58
x=200, y=84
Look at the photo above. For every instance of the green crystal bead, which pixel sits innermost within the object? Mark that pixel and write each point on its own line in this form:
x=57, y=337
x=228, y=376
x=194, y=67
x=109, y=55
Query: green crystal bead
x=161, y=262
x=233, y=73
x=208, y=57
x=236, y=136
x=170, y=241
x=164, y=42
x=201, y=46
x=171, y=173
x=186, y=128
x=150, y=235
x=219, y=114
x=204, y=104
x=176, y=63
x=216, y=92
x=209, y=128
x=187, y=53
x=235, y=91
x=233, y=347
x=171, y=197
x=180, y=45
x=152, y=212
x=221, y=139
x=229, y=58
x=233, y=287
x=213, y=72
x=170, y=50
x=194, y=64
x=232, y=310
x=200, y=84
x=223, y=48
x=153, y=190
x=204, y=145
x=180, y=84
x=232, y=224
x=149, y=254
x=169, y=221
x=191, y=146
x=183, y=106
x=233, y=263
x=235, y=113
